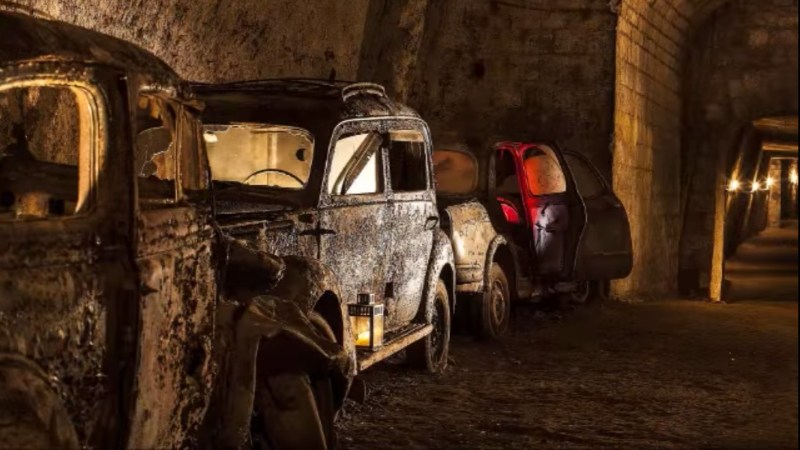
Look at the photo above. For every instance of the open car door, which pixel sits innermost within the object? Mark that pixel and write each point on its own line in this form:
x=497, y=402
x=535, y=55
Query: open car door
x=605, y=249
x=553, y=208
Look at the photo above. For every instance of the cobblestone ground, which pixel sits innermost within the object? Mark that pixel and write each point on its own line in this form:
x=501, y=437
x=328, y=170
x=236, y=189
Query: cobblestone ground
x=667, y=374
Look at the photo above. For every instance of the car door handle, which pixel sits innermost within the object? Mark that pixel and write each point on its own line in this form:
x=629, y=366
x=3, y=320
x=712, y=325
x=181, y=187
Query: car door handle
x=317, y=232
x=431, y=222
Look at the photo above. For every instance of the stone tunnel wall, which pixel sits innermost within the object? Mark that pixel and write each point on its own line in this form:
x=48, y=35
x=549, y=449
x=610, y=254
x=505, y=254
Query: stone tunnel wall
x=518, y=69
x=743, y=67
x=647, y=138
x=218, y=40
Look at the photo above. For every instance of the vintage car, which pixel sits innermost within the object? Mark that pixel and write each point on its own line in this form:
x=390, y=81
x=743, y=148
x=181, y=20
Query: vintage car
x=531, y=222
x=113, y=332
x=337, y=179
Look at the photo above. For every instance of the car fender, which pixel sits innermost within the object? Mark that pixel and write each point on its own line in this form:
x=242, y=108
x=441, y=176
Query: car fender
x=471, y=232
x=440, y=265
x=308, y=282
x=277, y=332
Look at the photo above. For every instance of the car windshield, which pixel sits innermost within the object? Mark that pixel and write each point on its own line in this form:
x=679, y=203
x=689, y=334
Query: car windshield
x=456, y=172
x=259, y=154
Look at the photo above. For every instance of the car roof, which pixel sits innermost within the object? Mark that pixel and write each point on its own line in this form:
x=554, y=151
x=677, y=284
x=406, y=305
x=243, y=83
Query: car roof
x=39, y=39
x=340, y=100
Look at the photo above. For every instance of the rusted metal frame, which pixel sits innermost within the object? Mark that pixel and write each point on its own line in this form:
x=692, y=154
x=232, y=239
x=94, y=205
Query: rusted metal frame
x=395, y=345
x=349, y=125
x=73, y=76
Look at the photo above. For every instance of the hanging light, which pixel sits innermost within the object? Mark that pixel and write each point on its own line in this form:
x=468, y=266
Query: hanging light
x=756, y=186
x=734, y=185
x=366, y=320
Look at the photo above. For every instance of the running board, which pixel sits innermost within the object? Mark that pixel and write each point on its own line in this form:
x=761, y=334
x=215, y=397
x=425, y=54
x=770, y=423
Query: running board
x=394, y=346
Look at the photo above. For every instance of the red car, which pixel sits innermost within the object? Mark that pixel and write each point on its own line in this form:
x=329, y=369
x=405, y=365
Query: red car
x=531, y=222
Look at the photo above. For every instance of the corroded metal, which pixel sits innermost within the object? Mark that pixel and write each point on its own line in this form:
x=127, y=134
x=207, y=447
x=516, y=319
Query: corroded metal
x=384, y=243
x=113, y=332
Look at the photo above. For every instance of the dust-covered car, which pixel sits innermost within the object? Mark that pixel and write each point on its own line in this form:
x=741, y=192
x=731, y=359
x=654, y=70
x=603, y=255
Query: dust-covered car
x=112, y=330
x=337, y=179
x=530, y=222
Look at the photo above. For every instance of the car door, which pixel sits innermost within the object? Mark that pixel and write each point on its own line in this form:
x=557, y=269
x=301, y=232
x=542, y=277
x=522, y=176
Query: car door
x=605, y=251
x=176, y=284
x=414, y=218
x=505, y=202
x=554, y=208
x=353, y=213
x=63, y=231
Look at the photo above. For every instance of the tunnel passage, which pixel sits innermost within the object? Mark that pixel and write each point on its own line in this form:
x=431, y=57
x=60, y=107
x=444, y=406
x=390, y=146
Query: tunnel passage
x=692, y=76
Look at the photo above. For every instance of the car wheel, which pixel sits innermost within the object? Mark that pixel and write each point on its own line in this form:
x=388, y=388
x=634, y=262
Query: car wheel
x=582, y=292
x=430, y=353
x=493, y=308
x=31, y=414
x=295, y=410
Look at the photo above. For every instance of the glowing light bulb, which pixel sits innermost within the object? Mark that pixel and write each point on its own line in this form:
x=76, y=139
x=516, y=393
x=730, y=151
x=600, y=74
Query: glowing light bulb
x=756, y=186
x=734, y=185
x=770, y=182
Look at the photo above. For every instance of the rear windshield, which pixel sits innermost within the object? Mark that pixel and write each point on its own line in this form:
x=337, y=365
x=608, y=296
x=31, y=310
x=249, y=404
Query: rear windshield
x=260, y=154
x=543, y=171
x=456, y=172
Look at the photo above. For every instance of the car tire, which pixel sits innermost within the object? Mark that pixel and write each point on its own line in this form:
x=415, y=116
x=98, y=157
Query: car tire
x=430, y=353
x=492, y=309
x=582, y=293
x=295, y=410
x=31, y=414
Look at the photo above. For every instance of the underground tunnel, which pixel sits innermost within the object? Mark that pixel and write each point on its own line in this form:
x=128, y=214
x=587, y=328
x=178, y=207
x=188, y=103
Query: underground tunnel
x=398, y=224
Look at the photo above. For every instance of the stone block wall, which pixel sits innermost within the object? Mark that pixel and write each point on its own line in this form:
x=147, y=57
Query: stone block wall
x=520, y=69
x=650, y=39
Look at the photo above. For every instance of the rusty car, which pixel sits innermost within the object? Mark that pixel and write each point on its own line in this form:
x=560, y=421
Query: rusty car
x=124, y=318
x=337, y=179
x=529, y=223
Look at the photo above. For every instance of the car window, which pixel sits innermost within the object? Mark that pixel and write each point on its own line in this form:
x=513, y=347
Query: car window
x=408, y=166
x=155, y=154
x=455, y=172
x=355, y=166
x=543, y=171
x=194, y=174
x=260, y=154
x=47, y=134
x=588, y=181
x=506, y=181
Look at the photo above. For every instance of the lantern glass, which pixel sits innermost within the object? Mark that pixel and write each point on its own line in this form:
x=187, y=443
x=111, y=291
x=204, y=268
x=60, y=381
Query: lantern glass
x=366, y=321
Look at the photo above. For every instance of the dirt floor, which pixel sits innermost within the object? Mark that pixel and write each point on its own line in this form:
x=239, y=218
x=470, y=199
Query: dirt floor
x=667, y=374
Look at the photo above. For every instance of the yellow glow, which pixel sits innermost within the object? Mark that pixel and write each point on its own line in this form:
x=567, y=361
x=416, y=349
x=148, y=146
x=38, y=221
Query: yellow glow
x=793, y=176
x=734, y=185
x=770, y=182
x=756, y=186
x=363, y=339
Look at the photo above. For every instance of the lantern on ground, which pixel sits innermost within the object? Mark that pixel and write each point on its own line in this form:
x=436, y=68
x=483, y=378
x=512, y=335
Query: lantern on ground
x=366, y=321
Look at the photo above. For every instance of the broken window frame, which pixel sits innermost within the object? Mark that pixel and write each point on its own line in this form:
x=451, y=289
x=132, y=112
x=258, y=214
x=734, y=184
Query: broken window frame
x=92, y=109
x=346, y=129
x=254, y=128
x=169, y=101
